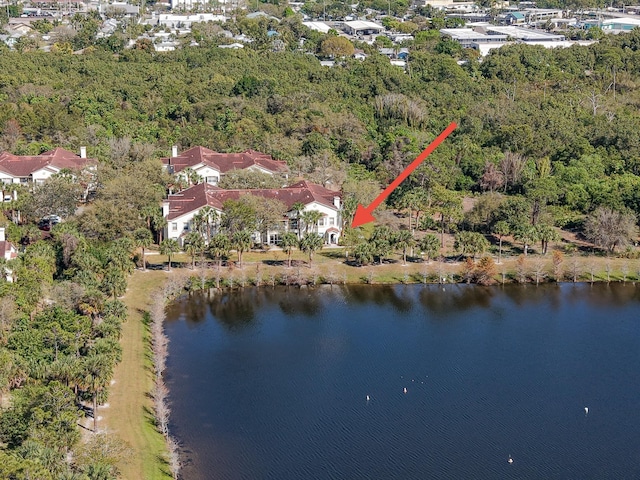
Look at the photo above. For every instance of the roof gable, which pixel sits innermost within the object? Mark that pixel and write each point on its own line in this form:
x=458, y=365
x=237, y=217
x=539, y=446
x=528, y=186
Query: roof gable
x=224, y=162
x=56, y=159
x=203, y=194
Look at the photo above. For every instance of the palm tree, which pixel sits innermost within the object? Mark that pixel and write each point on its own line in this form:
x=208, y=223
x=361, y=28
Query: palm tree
x=546, y=234
x=527, y=234
x=382, y=240
x=198, y=222
x=3, y=268
x=169, y=247
x=219, y=247
x=472, y=243
x=241, y=241
x=310, y=219
x=404, y=241
x=120, y=254
x=298, y=207
x=148, y=213
x=363, y=253
x=288, y=240
x=193, y=244
x=190, y=176
x=310, y=243
x=501, y=229
x=143, y=239
x=415, y=200
x=204, y=221
x=429, y=245
x=158, y=222
x=30, y=234
x=98, y=370
x=66, y=369
x=114, y=283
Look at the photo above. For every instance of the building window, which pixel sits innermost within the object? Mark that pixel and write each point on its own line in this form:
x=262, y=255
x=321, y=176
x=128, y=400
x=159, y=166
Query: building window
x=321, y=222
x=332, y=221
x=174, y=227
x=293, y=224
x=274, y=239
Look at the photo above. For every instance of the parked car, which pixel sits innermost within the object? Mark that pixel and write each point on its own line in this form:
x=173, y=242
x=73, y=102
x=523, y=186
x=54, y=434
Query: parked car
x=48, y=221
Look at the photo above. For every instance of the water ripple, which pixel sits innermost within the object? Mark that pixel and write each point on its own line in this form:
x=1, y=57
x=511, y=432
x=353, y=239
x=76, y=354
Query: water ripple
x=488, y=376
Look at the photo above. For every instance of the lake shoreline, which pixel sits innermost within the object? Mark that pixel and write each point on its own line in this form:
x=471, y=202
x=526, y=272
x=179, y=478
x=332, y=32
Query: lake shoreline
x=261, y=270
x=334, y=370
x=521, y=270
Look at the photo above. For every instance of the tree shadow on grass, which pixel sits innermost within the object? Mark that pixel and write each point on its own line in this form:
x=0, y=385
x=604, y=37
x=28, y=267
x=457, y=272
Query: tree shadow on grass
x=156, y=266
x=149, y=416
x=276, y=263
x=164, y=465
x=333, y=254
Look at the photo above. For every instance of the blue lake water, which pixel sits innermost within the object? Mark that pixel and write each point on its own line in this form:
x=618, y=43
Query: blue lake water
x=273, y=383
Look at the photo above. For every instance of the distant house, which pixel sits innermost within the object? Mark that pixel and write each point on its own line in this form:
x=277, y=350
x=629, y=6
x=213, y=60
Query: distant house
x=617, y=25
x=19, y=29
x=317, y=26
x=469, y=38
x=256, y=15
x=400, y=37
x=128, y=9
x=395, y=53
x=359, y=55
x=8, y=40
x=173, y=21
x=211, y=166
x=36, y=169
x=179, y=209
x=165, y=46
x=361, y=27
x=515, y=18
x=108, y=28
x=233, y=46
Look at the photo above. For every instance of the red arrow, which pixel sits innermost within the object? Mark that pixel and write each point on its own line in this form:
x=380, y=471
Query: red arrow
x=363, y=215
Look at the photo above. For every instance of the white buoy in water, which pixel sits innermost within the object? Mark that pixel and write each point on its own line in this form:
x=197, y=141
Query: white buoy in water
x=510, y=459
x=405, y=390
x=586, y=410
x=368, y=398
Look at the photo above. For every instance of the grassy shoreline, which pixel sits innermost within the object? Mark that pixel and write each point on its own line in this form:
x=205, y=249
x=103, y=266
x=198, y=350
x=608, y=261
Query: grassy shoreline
x=329, y=266
x=130, y=413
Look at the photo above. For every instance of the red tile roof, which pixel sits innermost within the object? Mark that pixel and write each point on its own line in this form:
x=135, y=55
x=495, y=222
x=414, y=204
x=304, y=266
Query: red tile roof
x=224, y=162
x=5, y=247
x=205, y=194
x=23, y=166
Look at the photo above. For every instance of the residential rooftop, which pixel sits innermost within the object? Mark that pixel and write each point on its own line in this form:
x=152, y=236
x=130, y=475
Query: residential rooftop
x=524, y=34
x=205, y=194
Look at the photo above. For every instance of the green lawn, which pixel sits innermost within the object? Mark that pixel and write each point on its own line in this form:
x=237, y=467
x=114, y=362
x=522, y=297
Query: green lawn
x=129, y=414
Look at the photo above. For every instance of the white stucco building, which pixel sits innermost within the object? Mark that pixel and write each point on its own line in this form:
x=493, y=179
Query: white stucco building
x=37, y=168
x=211, y=166
x=173, y=21
x=179, y=209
